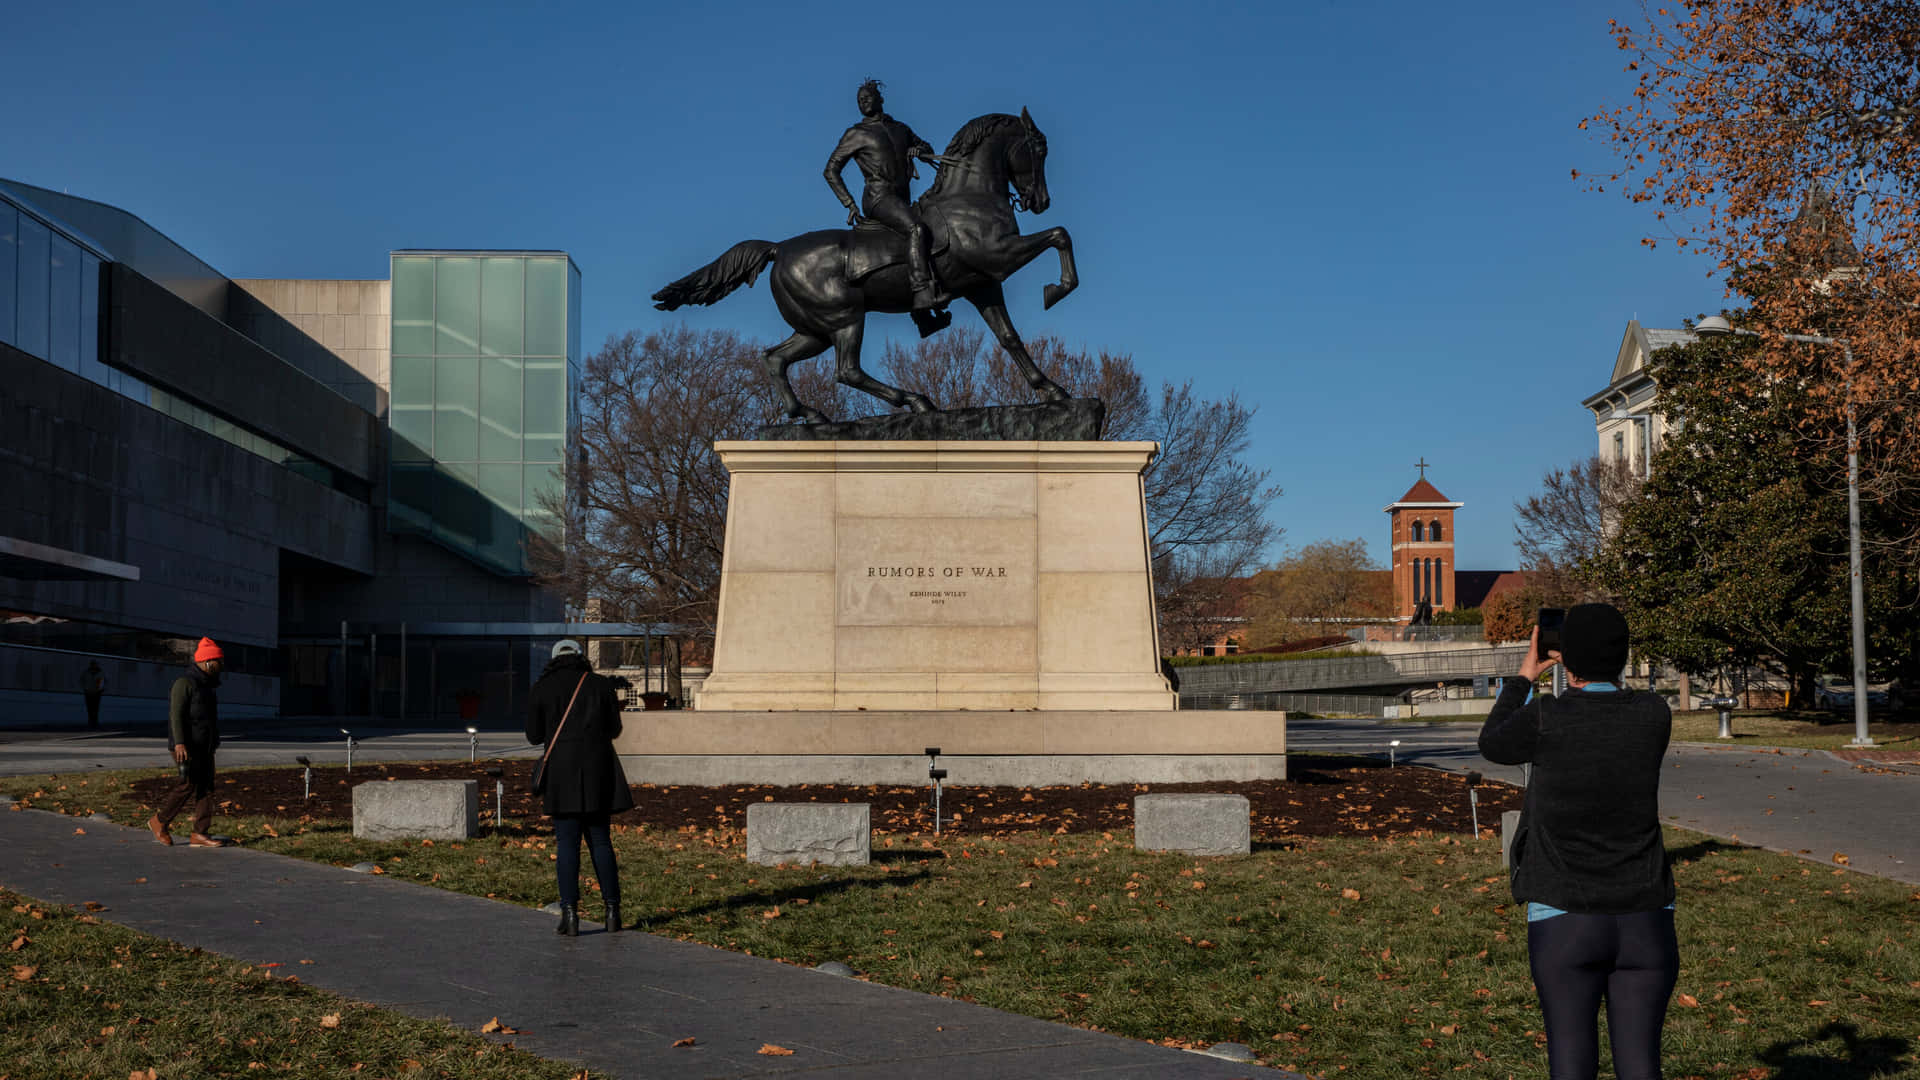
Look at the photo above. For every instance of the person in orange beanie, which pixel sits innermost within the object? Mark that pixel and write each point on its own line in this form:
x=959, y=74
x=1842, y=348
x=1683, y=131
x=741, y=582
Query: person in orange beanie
x=193, y=733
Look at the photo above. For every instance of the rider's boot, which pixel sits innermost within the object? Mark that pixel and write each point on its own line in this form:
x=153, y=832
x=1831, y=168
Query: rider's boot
x=920, y=272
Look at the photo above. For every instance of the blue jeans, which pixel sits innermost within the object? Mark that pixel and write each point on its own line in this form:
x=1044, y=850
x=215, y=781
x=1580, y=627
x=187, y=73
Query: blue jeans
x=566, y=834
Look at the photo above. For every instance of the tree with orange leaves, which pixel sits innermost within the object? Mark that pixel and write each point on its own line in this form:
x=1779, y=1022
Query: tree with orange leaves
x=1782, y=138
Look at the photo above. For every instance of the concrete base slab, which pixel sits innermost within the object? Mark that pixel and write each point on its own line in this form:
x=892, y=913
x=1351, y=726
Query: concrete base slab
x=983, y=770
x=1027, y=748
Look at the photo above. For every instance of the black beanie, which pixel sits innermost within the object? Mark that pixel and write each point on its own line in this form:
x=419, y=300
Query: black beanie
x=1593, y=642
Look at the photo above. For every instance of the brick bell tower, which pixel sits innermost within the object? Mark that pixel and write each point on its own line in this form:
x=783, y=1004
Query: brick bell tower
x=1422, y=545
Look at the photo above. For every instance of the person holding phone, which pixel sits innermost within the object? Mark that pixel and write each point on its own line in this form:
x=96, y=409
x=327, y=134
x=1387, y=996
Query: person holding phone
x=1589, y=860
x=575, y=713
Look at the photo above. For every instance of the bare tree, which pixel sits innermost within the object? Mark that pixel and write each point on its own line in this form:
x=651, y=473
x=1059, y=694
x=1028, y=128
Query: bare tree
x=1315, y=588
x=1562, y=531
x=647, y=508
x=1206, y=507
x=647, y=518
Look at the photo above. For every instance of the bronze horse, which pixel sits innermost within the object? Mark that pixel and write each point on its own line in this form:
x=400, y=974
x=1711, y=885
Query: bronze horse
x=825, y=282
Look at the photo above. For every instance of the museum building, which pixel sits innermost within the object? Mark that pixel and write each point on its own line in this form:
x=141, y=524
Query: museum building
x=336, y=480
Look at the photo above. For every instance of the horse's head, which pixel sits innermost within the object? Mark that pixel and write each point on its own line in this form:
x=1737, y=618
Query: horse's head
x=1027, y=165
x=994, y=152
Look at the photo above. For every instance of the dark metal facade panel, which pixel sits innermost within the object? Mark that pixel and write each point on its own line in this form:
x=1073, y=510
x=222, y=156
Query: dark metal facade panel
x=162, y=339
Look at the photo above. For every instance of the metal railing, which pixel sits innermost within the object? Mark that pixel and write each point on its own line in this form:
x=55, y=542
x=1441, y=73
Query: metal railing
x=1302, y=675
x=1418, y=633
x=1316, y=704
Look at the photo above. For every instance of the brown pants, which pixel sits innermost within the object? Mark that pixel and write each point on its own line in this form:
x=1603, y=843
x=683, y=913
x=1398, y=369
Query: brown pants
x=197, y=785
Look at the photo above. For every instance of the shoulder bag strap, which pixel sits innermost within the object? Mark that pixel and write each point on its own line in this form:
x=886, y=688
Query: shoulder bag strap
x=563, y=719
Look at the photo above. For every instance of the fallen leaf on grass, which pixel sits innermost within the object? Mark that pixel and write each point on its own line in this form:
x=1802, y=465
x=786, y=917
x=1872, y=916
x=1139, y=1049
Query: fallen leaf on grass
x=23, y=972
x=1841, y=859
x=1817, y=1001
x=688, y=1041
x=143, y=1074
x=1688, y=1000
x=997, y=935
x=1349, y=894
x=19, y=941
x=774, y=1051
x=331, y=1020
x=1024, y=885
x=411, y=1065
x=770, y=913
x=495, y=1027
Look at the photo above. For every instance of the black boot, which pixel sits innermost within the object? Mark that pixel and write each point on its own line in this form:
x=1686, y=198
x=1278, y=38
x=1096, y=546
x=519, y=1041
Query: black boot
x=613, y=919
x=569, y=921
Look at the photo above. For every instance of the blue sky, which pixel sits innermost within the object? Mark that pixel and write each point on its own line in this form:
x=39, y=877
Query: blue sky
x=1357, y=215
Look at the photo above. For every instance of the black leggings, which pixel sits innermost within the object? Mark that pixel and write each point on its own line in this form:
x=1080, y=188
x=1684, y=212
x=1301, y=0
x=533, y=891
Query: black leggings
x=1632, y=961
x=566, y=834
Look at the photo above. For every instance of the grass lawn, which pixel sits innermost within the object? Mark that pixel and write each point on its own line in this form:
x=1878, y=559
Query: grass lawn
x=1806, y=730
x=81, y=997
x=1372, y=957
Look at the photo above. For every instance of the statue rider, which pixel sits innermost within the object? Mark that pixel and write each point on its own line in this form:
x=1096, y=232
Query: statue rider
x=884, y=148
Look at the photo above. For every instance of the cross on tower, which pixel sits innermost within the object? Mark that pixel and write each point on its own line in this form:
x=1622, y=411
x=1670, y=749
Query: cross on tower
x=1422, y=466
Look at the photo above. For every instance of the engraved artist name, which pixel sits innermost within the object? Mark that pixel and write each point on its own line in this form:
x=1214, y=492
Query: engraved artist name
x=936, y=571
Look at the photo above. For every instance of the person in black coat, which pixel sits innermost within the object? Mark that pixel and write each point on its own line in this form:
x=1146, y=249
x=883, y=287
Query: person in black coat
x=1589, y=860
x=585, y=785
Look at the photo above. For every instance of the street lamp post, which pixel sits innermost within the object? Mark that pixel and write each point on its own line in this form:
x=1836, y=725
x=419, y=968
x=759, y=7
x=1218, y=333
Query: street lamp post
x=1715, y=325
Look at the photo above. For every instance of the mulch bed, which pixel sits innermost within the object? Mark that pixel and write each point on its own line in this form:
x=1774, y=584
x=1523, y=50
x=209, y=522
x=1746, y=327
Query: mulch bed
x=1321, y=796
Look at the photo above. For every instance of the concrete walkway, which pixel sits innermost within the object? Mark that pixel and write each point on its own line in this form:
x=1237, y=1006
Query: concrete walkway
x=613, y=1003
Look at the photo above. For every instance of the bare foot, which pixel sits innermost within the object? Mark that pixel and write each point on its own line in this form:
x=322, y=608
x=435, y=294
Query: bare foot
x=160, y=832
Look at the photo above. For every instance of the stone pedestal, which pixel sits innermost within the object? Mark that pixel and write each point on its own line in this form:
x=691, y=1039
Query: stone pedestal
x=936, y=576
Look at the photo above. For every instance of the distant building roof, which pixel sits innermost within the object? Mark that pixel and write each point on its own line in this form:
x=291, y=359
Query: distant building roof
x=1473, y=588
x=1423, y=493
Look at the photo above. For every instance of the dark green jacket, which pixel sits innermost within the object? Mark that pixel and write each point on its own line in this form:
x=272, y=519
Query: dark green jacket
x=193, y=711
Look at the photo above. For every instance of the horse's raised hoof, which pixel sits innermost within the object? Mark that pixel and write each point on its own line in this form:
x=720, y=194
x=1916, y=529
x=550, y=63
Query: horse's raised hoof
x=1053, y=294
x=930, y=323
x=920, y=403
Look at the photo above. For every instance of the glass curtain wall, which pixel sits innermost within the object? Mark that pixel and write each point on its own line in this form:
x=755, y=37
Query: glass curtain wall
x=485, y=366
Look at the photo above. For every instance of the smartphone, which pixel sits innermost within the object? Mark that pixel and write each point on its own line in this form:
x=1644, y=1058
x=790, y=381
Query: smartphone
x=1550, y=620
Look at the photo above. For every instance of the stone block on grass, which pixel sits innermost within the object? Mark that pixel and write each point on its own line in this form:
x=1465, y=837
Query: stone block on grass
x=831, y=834
x=416, y=810
x=1194, y=824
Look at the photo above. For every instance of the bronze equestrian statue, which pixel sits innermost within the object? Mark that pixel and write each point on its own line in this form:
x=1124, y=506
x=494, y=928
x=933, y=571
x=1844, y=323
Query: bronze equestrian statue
x=825, y=282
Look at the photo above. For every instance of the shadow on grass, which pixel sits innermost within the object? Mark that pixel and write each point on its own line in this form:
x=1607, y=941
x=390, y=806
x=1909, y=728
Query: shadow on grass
x=762, y=899
x=1274, y=845
x=907, y=855
x=1864, y=1056
x=1696, y=851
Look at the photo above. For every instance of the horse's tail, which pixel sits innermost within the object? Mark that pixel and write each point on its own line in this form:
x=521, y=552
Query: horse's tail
x=741, y=265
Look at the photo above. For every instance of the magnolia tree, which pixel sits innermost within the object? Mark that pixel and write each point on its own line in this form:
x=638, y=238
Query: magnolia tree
x=1779, y=137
